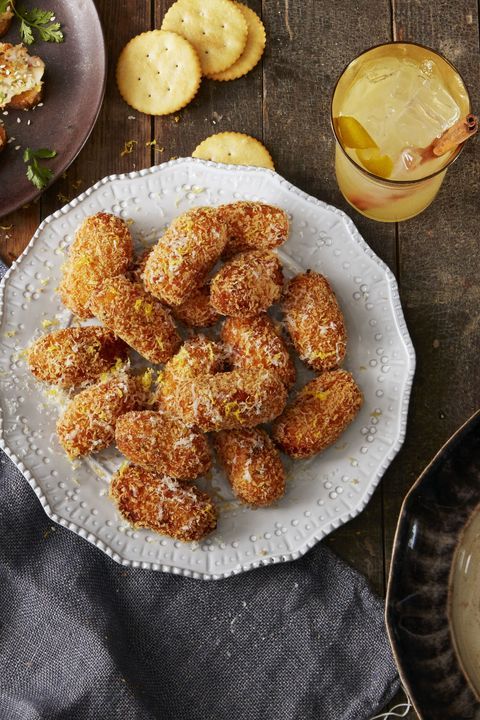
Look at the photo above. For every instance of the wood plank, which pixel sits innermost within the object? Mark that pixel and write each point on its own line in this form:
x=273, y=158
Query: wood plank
x=439, y=267
x=102, y=155
x=16, y=231
x=309, y=45
x=218, y=107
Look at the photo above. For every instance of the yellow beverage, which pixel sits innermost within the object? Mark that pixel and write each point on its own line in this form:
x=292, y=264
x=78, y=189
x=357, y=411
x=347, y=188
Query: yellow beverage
x=389, y=104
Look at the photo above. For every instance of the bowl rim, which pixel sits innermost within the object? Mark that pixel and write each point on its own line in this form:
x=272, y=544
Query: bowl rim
x=396, y=548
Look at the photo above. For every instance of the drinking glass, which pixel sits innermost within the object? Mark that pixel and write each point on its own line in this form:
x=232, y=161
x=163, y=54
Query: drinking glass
x=400, y=93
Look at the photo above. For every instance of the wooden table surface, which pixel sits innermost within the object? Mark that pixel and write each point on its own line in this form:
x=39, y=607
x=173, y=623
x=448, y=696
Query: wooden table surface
x=285, y=103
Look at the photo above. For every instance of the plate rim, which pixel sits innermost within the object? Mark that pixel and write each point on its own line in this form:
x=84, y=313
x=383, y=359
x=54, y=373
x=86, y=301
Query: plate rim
x=399, y=320
x=395, y=551
x=34, y=193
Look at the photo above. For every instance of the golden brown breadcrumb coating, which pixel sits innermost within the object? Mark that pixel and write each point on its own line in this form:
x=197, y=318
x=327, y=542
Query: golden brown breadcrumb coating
x=135, y=274
x=248, y=284
x=197, y=310
x=197, y=356
x=159, y=442
x=88, y=423
x=182, y=258
x=102, y=248
x=254, y=342
x=320, y=413
x=137, y=317
x=253, y=226
x=226, y=401
x=150, y=500
x=315, y=321
x=74, y=355
x=252, y=464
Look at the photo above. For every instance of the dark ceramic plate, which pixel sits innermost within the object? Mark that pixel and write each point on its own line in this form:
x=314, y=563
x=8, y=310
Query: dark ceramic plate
x=431, y=527
x=73, y=93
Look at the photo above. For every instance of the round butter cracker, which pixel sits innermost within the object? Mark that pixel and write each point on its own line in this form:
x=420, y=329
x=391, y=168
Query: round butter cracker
x=158, y=72
x=234, y=148
x=253, y=49
x=217, y=30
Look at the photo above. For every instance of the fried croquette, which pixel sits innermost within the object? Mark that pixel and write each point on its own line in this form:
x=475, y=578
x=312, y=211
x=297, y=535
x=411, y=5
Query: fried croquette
x=102, y=248
x=315, y=321
x=320, y=413
x=197, y=356
x=231, y=400
x=254, y=342
x=252, y=465
x=75, y=355
x=253, y=226
x=182, y=258
x=197, y=311
x=150, y=500
x=136, y=317
x=88, y=423
x=159, y=442
x=248, y=284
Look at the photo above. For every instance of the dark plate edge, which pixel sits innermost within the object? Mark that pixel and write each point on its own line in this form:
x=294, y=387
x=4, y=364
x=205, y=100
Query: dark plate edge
x=388, y=597
x=35, y=194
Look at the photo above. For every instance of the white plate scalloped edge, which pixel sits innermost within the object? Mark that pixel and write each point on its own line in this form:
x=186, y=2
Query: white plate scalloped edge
x=404, y=367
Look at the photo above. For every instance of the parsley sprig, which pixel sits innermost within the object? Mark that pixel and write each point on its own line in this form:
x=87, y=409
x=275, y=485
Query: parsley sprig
x=35, y=20
x=39, y=175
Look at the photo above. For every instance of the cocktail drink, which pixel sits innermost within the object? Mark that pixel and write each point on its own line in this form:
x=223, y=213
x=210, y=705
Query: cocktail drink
x=389, y=109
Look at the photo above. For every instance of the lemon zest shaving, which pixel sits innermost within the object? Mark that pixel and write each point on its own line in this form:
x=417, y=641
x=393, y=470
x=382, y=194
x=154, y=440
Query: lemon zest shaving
x=128, y=147
x=50, y=323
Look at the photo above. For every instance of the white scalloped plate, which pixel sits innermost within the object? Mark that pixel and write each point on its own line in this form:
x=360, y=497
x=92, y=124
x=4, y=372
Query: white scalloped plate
x=323, y=492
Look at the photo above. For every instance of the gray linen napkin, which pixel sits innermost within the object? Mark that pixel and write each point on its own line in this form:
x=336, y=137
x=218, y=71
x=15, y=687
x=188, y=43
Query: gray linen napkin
x=82, y=638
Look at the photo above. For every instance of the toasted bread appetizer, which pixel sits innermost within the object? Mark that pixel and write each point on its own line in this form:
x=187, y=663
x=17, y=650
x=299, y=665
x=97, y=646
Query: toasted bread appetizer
x=159, y=442
x=320, y=413
x=253, y=226
x=75, y=355
x=248, y=284
x=88, y=423
x=197, y=356
x=150, y=500
x=252, y=464
x=137, y=317
x=196, y=310
x=231, y=400
x=314, y=321
x=254, y=342
x=6, y=19
x=3, y=137
x=21, y=76
x=182, y=258
x=102, y=248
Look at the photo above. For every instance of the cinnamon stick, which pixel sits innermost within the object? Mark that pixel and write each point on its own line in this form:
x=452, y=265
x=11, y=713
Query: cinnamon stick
x=455, y=135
